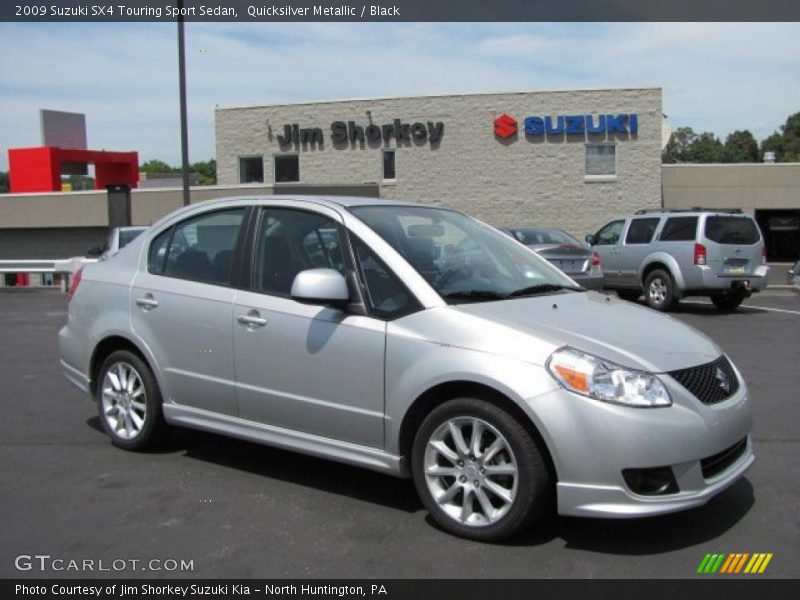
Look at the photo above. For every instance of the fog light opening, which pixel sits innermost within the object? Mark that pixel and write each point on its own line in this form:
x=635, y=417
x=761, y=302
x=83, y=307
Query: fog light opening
x=657, y=481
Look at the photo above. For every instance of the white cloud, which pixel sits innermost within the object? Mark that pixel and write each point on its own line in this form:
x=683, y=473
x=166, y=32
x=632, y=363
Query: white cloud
x=715, y=76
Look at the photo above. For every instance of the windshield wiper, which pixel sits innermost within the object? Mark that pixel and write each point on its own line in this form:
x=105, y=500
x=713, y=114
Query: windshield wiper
x=543, y=288
x=476, y=295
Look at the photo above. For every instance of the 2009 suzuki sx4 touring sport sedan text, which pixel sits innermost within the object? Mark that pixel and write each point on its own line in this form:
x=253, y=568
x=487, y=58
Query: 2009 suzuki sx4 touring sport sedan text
x=412, y=340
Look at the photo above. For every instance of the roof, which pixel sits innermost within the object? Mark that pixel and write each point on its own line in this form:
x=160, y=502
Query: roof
x=329, y=201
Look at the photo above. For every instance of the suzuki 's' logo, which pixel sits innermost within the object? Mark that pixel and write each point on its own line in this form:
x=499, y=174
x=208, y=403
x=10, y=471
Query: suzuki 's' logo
x=505, y=126
x=722, y=379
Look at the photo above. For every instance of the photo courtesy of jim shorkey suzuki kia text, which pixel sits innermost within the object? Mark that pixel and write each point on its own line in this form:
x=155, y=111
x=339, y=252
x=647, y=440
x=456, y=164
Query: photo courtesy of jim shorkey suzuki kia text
x=122, y=590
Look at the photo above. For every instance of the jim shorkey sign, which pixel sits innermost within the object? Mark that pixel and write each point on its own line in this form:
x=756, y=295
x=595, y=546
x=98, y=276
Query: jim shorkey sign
x=348, y=132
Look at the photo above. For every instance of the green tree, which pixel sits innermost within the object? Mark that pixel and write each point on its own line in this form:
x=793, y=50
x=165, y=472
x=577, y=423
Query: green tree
x=4, y=183
x=157, y=166
x=786, y=144
x=206, y=170
x=741, y=146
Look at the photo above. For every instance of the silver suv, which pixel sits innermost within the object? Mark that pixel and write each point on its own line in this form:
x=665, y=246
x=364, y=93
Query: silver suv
x=670, y=254
x=412, y=340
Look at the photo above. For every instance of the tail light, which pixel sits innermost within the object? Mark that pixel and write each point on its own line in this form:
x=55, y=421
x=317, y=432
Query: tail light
x=699, y=254
x=595, y=259
x=73, y=285
x=763, y=255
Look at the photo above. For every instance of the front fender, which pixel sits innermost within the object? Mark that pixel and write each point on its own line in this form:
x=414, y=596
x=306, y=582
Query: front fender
x=414, y=366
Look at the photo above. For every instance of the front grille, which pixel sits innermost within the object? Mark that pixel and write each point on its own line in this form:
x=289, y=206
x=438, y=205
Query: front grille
x=714, y=465
x=710, y=383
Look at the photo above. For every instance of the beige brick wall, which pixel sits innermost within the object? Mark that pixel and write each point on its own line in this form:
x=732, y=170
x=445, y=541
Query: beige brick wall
x=518, y=182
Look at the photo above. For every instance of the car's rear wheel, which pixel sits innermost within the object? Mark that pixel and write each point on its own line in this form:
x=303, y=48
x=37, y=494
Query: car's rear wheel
x=659, y=291
x=478, y=471
x=629, y=295
x=129, y=402
x=727, y=301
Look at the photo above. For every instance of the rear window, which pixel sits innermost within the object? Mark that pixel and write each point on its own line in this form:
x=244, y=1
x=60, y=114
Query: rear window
x=732, y=230
x=679, y=229
x=126, y=236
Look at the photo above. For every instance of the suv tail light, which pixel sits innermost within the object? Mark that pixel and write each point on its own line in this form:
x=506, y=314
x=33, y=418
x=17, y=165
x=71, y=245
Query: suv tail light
x=763, y=255
x=73, y=285
x=595, y=259
x=699, y=254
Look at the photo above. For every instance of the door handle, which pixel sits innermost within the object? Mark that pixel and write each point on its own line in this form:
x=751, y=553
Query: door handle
x=147, y=302
x=251, y=320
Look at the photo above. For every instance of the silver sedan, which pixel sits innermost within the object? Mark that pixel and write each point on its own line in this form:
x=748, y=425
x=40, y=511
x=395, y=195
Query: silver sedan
x=412, y=340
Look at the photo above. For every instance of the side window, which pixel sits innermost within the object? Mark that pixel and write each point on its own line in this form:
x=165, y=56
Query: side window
x=641, y=231
x=289, y=241
x=201, y=248
x=609, y=234
x=158, y=252
x=384, y=294
x=679, y=229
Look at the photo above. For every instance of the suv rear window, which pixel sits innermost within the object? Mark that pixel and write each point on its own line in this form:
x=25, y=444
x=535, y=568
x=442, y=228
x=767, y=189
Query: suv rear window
x=679, y=229
x=732, y=230
x=641, y=231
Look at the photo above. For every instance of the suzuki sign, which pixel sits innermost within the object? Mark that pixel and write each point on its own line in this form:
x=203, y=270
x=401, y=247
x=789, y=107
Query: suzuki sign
x=505, y=125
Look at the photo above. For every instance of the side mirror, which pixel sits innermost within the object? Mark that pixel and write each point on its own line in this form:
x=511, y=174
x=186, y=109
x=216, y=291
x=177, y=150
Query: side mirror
x=94, y=251
x=590, y=239
x=320, y=286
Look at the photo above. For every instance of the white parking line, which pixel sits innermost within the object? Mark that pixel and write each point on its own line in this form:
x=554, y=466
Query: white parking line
x=780, y=310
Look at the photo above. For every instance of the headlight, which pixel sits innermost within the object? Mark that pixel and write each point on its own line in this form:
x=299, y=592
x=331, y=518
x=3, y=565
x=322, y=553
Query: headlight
x=603, y=380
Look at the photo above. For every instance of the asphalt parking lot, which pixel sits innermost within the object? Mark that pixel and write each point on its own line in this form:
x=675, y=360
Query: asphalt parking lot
x=241, y=510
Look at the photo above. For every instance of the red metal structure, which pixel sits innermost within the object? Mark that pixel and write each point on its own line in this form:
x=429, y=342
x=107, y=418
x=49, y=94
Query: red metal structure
x=39, y=169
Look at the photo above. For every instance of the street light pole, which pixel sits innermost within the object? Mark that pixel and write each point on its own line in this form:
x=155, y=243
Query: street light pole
x=182, y=85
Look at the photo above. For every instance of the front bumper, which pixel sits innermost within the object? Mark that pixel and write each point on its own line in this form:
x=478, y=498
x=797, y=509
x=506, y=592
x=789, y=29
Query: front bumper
x=592, y=442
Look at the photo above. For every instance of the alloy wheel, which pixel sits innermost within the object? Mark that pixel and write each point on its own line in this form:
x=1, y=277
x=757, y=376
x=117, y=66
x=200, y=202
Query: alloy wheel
x=124, y=400
x=658, y=291
x=471, y=471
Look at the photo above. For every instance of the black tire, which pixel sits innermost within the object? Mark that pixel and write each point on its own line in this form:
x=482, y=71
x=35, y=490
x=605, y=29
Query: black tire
x=629, y=295
x=533, y=487
x=727, y=301
x=153, y=428
x=659, y=291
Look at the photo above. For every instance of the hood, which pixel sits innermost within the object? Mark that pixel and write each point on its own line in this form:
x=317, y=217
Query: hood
x=613, y=329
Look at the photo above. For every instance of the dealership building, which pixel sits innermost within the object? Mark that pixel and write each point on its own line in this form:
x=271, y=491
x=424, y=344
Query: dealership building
x=568, y=159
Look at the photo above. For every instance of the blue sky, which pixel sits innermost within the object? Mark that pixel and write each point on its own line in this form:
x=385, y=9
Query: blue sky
x=715, y=76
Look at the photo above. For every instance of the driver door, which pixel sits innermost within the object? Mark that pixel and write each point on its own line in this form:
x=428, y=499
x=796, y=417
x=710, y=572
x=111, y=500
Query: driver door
x=607, y=243
x=307, y=368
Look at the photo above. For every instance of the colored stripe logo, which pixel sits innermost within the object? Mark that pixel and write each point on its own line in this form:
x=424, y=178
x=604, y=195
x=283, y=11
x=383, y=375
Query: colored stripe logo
x=734, y=563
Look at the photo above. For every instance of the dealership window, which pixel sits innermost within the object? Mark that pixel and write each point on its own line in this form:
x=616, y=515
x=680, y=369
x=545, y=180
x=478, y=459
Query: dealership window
x=601, y=160
x=388, y=165
x=251, y=169
x=287, y=168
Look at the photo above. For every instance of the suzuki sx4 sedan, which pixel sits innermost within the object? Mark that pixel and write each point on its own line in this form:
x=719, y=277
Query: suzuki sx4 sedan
x=412, y=340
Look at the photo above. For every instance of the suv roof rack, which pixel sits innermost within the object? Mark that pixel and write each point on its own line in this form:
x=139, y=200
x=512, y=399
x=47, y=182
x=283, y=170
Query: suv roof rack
x=733, y=211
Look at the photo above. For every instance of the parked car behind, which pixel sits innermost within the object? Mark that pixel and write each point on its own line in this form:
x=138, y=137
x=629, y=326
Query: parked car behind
x=118, y=238
x=793, y=275
x=563, y=251
x=412, y=340
x=670, y=254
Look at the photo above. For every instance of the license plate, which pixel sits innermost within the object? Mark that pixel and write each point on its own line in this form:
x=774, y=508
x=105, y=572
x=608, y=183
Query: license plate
x=734, y=270
x=569, y=266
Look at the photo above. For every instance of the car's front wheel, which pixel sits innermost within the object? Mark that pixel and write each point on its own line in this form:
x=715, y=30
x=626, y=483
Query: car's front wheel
x=129, y=402
x=478, y=471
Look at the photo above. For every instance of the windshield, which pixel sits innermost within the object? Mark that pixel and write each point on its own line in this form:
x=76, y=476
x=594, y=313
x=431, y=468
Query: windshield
x=461, y=258
x=533, y=237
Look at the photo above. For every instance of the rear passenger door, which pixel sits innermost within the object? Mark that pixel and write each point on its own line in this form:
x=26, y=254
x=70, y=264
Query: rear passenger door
x=636, y=247
x=182, y=308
